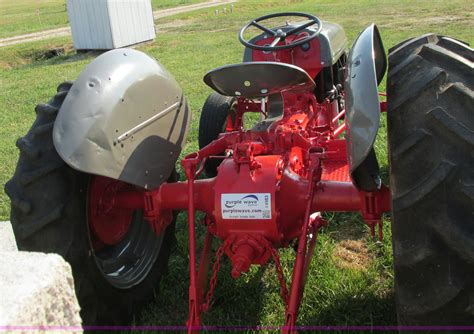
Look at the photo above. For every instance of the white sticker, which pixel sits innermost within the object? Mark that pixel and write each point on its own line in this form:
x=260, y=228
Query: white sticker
x=246, y=206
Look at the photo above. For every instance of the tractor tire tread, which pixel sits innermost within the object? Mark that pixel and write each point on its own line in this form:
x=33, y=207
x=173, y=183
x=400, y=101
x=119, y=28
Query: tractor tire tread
x=431, y=135
x=22, y=205
x=411, y=89
x=410, y=142
x=458, y=47
x=400, y=51
x=27, y=149
x=423, y=188
x=27, y=178
x=42, y=129
x=46, y=109
x=28, y=229
x=441, y=118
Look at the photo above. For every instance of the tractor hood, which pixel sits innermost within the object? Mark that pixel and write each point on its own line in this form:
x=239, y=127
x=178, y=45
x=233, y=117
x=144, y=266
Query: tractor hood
x=125, y=117
x=366, y=67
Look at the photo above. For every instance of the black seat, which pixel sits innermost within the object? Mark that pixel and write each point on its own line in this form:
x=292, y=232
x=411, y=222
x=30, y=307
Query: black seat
x=258, y=79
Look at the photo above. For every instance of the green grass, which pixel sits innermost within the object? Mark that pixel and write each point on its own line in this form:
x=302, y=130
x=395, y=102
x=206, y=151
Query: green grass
x=338, y=292
x=27, y=16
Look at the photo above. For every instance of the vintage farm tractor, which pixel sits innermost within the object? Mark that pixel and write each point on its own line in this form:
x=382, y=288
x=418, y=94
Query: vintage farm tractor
x=96, y=179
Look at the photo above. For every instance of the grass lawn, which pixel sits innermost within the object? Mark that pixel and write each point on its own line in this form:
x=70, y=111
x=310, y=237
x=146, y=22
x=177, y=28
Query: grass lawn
x=27, y=16
x=351, y=278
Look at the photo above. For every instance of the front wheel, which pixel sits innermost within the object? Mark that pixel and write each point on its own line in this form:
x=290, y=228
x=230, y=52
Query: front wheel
x=116, y=258
x=217, y=116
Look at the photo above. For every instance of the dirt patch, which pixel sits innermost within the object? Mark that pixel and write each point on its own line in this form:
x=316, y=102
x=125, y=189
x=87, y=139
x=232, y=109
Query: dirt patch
x=5, y=66
x=352, y=254
x=351, y=250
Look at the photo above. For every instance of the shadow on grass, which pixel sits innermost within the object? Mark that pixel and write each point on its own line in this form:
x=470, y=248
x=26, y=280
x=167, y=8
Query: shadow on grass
x=170, y=307
x=352, y=298
x=364, y=308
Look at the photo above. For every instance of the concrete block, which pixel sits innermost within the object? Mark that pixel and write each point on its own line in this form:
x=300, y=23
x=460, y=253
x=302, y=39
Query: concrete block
x=7, y=238
x=37, y=289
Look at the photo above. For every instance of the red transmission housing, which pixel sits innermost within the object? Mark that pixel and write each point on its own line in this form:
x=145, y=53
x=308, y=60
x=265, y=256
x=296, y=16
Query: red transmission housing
x=263, y=190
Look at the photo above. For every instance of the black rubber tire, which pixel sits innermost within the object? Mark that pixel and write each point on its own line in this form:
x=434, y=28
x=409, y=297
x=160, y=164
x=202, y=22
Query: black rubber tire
x=214, y=115
x=48, y=214
x=431, y=151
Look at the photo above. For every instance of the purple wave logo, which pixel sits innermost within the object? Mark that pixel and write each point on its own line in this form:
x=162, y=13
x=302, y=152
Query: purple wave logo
x=248, y=200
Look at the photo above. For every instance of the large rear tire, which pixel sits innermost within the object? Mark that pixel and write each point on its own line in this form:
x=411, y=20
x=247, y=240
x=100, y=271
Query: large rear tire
x=49, y=214
x=431, y=144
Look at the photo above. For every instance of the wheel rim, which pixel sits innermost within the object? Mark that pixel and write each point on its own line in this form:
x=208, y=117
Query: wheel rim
x=122, y=242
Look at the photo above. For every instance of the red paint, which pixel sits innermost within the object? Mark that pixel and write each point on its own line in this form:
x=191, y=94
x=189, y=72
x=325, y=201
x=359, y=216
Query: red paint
x=309, y=60
x=108, y=222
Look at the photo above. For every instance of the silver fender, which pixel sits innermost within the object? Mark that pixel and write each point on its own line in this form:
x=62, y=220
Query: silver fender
x=125, y=117
x=366, y=67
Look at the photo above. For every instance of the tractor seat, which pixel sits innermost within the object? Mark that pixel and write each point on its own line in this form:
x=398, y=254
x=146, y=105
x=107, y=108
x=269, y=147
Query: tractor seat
x=258, y=79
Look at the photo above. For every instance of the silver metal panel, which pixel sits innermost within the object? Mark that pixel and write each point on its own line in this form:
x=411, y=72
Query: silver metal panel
x=125, y=117
x=366, y=68
x=333, y=43
x=258, y=79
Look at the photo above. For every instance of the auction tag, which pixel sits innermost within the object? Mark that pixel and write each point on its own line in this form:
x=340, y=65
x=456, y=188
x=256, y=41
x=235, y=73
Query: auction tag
x=246, y=206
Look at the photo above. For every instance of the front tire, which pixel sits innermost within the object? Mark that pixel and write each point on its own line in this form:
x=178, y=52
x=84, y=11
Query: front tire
x=217, y=115
x=49, y=214
x=431, y=144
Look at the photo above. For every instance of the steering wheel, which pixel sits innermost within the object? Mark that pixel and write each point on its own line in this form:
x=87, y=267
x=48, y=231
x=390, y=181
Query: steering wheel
x=279, y=34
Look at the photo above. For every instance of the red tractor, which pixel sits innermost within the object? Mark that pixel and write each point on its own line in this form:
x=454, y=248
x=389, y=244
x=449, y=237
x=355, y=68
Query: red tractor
x=96, y=179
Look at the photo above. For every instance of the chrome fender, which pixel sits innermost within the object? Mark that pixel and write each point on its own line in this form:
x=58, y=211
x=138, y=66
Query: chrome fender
x=365, y=70
x=125, y=117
